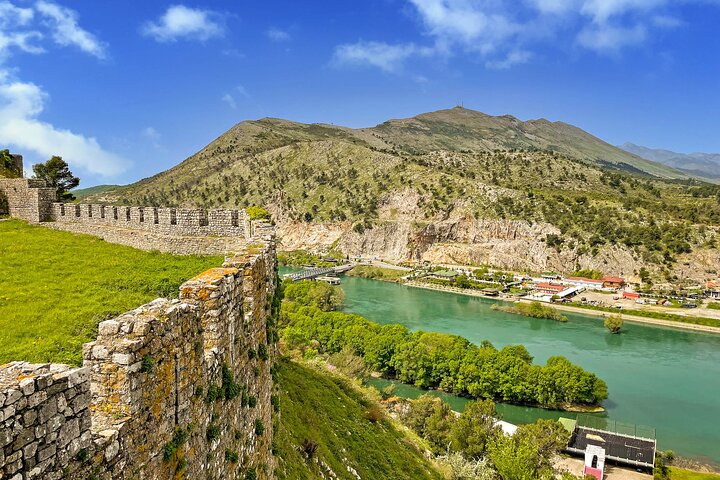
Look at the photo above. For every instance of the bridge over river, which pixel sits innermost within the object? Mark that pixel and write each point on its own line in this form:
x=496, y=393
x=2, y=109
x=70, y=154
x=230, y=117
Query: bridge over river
x=312, y=273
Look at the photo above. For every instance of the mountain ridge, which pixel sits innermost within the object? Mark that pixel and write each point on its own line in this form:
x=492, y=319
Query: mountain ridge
x=697, y=164
x=453, y=186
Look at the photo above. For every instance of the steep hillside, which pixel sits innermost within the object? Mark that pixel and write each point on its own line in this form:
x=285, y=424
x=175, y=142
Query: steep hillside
x=699, y=164
x=327, y=430
x=453, y=186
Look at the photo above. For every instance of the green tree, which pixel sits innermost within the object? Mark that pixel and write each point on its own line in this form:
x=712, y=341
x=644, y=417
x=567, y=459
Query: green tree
x=513, y=458
x=56, y=173
x=614, y=323
x=474, y=428
x=431, y=418
x=257, y=213
x=7, y=165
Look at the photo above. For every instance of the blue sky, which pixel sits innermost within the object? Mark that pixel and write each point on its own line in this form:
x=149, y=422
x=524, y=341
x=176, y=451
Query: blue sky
x=123, y=89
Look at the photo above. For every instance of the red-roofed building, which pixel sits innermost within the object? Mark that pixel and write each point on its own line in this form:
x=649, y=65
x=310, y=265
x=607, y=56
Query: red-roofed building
x=549, y=288
x=631, y=295
x=613, y=282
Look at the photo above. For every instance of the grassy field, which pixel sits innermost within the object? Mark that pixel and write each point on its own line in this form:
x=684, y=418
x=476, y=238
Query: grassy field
x=323, y=409
x=682, y=474
x=55, y=287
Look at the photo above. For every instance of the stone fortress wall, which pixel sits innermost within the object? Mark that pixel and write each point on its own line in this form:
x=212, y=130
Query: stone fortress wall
x=166, y=221
x=181, y=231
x=176, y=230
x=173, y=389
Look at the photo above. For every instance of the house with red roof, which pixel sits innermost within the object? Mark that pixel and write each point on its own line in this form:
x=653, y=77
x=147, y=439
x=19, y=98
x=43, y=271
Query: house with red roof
x=549, y=288
x=610, y=281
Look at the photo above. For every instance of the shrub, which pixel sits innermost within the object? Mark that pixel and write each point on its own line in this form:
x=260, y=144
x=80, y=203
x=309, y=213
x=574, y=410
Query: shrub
x=171, y=448
x=82, y=455
x=614, y=323
x=213, y=432
x=374, y=414
x=257, y=213
x=259, y=427
x=231, y=455
x=148, y=364
x=309, y=448
x=262, y=351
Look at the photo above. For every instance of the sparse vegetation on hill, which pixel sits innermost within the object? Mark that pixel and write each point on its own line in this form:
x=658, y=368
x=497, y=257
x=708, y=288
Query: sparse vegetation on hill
x=55, y=287
x=454, y=162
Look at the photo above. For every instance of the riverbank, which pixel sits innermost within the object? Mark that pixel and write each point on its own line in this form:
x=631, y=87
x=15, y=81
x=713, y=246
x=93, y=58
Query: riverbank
x=638, y=319
x=585, y=311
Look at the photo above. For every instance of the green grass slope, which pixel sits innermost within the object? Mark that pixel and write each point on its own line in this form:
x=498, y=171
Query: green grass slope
x=81, y=193
x=321, y=408
x=55, y=287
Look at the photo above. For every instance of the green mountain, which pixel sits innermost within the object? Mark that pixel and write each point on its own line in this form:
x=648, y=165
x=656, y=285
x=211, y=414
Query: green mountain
x=453, y=186
x=82, y=193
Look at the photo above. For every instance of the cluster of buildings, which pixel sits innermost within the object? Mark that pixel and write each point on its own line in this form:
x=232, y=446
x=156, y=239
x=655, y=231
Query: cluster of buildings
x=553, y=285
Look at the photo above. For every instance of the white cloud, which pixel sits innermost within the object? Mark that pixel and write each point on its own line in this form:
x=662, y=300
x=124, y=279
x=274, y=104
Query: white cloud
x=20, y=105
x=181, y=22
x=66, y=31
x=277, y=35
x=610, y=38
x=384, y=56
x=516, y=57
x=11, y=15
x=230, y=100
x=502, y=33
x=466, y=22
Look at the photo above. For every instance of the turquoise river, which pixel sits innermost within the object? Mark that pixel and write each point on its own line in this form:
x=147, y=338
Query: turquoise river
x=665, y=378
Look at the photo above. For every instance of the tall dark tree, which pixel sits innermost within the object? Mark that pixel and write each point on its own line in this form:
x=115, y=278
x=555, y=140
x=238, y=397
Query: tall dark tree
x=57, y=174
x=7, y=165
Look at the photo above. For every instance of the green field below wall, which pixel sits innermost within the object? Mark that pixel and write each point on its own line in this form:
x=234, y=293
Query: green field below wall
x=55, y=287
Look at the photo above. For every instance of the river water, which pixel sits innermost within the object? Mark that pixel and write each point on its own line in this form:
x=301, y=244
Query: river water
x=661, y=377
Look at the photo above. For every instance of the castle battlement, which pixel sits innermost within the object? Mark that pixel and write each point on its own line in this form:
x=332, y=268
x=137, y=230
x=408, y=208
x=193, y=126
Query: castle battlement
x=166, y=389
x=167, y=221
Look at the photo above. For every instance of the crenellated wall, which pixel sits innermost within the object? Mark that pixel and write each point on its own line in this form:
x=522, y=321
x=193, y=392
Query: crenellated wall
x=173, y=389
x=167, y=221
x=176, y=230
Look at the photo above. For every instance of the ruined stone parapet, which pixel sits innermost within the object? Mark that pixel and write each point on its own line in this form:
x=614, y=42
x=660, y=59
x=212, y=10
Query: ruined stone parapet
x=187, y=222
x=44, y=417
x=29, y=199
x=175, y=386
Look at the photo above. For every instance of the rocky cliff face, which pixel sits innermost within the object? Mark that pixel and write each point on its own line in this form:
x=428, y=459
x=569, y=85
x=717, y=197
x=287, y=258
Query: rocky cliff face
x=459, y=238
